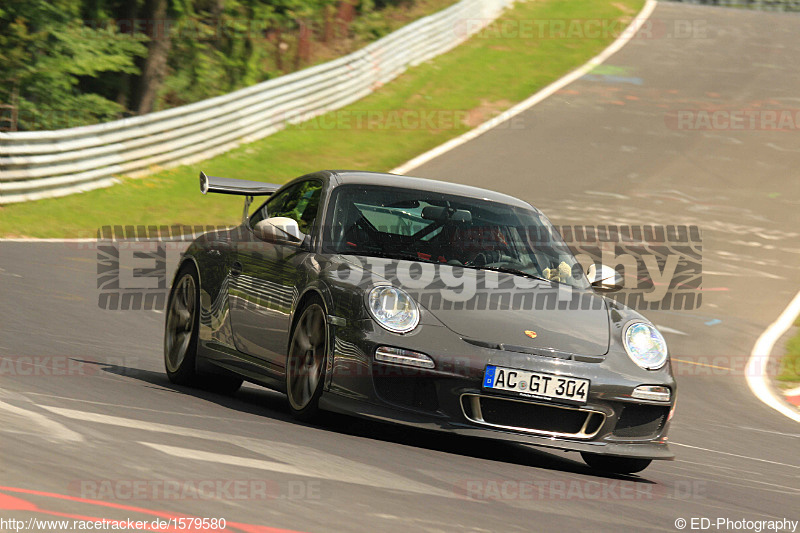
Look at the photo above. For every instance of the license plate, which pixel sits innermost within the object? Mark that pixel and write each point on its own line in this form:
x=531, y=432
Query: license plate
x=536, y=384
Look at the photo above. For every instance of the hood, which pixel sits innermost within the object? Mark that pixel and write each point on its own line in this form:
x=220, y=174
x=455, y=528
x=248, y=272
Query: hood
x=582, y=332
x=499, y=308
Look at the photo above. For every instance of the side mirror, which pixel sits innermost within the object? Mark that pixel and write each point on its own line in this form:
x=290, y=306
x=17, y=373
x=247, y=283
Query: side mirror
x=279, y=230
x=605, y=278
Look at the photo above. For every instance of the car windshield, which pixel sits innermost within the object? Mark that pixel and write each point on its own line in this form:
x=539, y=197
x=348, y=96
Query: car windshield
x=416, y=225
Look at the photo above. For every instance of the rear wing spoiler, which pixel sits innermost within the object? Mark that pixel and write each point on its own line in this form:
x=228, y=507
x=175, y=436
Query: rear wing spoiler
x=245, y=188
x=233, y=186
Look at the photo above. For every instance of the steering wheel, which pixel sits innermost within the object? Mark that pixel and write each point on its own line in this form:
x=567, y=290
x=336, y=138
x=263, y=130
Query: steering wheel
x=484, y=258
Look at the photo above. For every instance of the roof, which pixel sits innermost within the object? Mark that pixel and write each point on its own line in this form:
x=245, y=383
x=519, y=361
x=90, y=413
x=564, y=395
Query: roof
x=359, y=177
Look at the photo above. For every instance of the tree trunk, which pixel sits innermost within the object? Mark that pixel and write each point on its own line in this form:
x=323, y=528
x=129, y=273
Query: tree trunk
x=303, y=45
x=155, y=66
x=279, y=49
x=329, y=29
x=345, y=14
x=125, y=92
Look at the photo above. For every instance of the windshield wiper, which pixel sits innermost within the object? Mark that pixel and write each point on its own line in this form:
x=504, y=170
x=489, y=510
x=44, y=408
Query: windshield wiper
x=400, y=256
x=409, y=257
x=515, y=271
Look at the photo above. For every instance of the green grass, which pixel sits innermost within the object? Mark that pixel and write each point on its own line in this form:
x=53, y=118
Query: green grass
x=790, y=364
x=488, y=74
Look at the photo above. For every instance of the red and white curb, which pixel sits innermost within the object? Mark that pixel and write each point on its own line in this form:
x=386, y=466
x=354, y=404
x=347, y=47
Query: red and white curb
x=793, y=396
x=757, y=375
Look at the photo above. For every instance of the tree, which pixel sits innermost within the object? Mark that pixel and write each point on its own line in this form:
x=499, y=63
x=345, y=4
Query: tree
x=46, y=49
x=68, y=63
x=155, y=66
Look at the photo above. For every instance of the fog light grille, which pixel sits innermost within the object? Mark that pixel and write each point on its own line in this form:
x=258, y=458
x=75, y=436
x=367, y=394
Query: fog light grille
x=532, y=417
x=641, y=420
x=412, y=392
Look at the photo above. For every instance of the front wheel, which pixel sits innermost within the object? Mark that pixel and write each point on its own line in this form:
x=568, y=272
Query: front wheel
x=305, y=364
x=615, y=465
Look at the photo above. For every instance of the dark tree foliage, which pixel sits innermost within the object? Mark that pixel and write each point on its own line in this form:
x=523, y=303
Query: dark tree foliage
x=66, y=63
x=48, y=51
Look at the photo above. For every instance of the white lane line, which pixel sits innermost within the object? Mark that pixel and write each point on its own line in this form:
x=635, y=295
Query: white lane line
x=53, y=429
x=147, y=409
x=224, y=459
x=738, y=469
x=792, y=491
x=336, y=468
x=291, y=458
x=307, y=462
x=665, y=329
x=738, y=477
x=735, y=455
x=771, y=432
x=756, y=370
x=629, y=33
x=134, y=424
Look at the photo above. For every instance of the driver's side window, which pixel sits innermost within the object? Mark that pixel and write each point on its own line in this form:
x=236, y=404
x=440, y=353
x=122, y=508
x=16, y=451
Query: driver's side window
x=299, y=202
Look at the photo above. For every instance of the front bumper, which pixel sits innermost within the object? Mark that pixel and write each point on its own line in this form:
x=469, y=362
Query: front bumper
x=385, y=413
x=450, y=397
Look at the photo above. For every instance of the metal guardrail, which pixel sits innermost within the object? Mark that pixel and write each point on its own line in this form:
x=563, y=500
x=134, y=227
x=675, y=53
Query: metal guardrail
x=43, y=164
x=759, y=5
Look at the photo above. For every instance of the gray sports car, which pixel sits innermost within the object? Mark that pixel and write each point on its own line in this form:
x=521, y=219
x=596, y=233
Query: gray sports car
x=425, y=303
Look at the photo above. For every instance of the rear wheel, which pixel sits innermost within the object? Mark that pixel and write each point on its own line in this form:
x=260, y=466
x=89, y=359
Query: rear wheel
x=181, y=334
x=615, y=465
x=305, y=364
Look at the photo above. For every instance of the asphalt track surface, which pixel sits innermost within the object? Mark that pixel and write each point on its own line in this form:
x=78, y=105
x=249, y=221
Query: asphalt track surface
x=599, y=151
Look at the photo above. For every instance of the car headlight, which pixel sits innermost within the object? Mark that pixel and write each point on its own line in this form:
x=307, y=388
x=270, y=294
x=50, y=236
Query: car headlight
x=645, y=345
x=393, y=308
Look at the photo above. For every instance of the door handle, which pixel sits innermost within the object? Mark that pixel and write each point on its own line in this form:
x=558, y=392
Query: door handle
x=236, y=268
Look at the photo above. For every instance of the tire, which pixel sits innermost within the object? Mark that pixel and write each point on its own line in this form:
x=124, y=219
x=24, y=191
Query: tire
x=180, y=328
x=306, y=360
x=181, y=336
x=615, y=465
